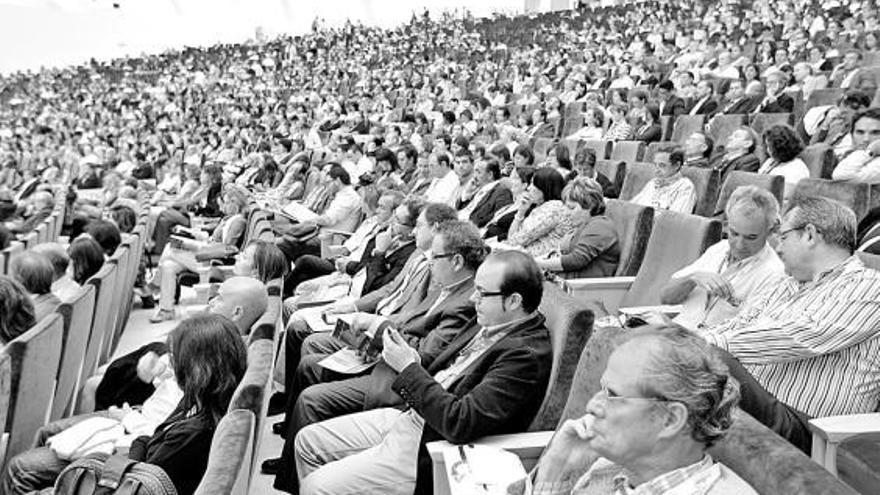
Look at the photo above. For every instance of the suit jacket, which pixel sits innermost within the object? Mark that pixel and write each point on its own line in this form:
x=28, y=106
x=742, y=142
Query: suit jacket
x=417, y=287
x=382, y=268
x=675, y=106
x=744, y=105
x=499, y=227
x=784, y=104
x=746, y=163
x=593, y=250
x=652, y=134
x=500, y=392
x=497, y=198
x=544, y=130
x=703, y=107
x=430, y=333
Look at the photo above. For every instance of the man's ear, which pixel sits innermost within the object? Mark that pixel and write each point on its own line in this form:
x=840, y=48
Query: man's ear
x=237, y=313
x=676, y=419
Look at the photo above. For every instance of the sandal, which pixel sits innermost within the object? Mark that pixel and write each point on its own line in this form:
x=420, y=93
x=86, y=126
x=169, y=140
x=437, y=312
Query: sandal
x=162, y=315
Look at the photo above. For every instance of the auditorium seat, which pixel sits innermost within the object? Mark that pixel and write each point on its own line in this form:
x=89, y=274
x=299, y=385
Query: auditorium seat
x=676, y=240
x=5, y=395
x=570, y=125
x=572, y=145
x=7, y=254
x=600, y=147
x=628, y=151
x=637, y=175
x=706, y=184
x=633, y=224
x=540, y=148
x=720, y=127
x=686, y=125
x=854, y=195
x=820, y=160
x=122, y=260
x=229, y=468
x=36, y=355
x=759, y=122
x=613, y=170
x=651, y=150
x=77, y=315
x=103, y=281
x=824, y=96
x=746, y=449
x=775, y=184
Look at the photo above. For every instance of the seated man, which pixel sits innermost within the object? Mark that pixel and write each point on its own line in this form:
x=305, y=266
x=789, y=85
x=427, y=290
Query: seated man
x=490, y=380
x=457, y=251
x=712, y=289
x=490, y=194
x=668, y=190
x=862, y=163
x=697, y=150
x=805, y=347
x=132, y=378
x=38, y=207
x=665, y=399
x=739, y=153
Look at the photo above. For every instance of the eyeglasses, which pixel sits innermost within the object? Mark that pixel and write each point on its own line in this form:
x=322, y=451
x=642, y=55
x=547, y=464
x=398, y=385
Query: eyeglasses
x=783, y=233
x=435, y=256
x=609, y=396
x=479, y=295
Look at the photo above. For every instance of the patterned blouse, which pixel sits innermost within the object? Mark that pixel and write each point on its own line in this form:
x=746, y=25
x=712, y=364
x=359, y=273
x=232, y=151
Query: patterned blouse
x=544, y=229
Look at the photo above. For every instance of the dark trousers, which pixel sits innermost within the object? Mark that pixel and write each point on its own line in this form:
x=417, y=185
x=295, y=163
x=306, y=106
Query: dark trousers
x=293, y=250
x=785, y=421
x=308, y=267
x=315, y=394
x=167, y=220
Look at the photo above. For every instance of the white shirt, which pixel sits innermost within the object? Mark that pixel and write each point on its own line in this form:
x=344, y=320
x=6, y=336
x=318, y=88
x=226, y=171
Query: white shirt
x=792, y=171
x=444, y=190
x=343, y=211
x=858, y=166
x=679, y=196
x=65, y=289
x=746, y=276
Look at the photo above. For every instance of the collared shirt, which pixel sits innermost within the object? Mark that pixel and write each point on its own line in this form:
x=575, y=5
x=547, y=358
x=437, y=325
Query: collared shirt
x=813, y=345
x=445, y=291
x=357, y=243
x=678, y=195
x=343, y=208
x=482, y=341
x=605, y=477
x=444, y=190
x=746, y=276
x=858, y=166
x=66, y=288
x=792, y=171
x=413, y=270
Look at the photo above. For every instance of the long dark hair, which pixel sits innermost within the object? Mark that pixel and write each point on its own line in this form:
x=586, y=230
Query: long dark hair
x=209, y=359
x=87, y=258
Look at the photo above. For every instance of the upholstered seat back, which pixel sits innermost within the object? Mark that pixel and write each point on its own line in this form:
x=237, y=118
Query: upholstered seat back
x=77, y=315
x=633, y=224
x=570, y=324
x=35, y=358
x=614, y=170
x=253, y=391
x=600, y=147
x=721, y=127
x=820, y=160
x=628, y=151
x=707, y=182
x=685, y=125
x=773, y=183
x=677, y=239
x=5, y=392
x=637, y=175
x=761, y=121
x=854, y=195
x=105, y=284
x=229, y=466
x=122, y=260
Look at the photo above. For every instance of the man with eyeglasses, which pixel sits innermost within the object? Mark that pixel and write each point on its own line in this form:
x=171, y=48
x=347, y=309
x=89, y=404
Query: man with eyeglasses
x=316, y=394
x=489, y=380
x=806, y=347
x=665, y=399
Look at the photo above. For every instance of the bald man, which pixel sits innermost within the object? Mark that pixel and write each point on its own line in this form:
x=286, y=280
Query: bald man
x=131, y=378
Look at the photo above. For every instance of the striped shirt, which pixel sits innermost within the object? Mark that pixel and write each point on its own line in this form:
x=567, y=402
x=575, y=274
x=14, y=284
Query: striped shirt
x=677, y=194
x=813, y=345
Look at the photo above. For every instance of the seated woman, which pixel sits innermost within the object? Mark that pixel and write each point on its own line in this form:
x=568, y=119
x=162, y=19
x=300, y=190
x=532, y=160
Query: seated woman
x=499, y=224
x=594, y=119
x=649, y=131
x=16, y=310
x=542, y=221
x=86, y=258
x=668, y=190
x=229, y=232
x=208, y=359
x=202, y=202
x=783, y=147
x=261, y=260
x=619, y=130
x=593, y=249
x=34, y=272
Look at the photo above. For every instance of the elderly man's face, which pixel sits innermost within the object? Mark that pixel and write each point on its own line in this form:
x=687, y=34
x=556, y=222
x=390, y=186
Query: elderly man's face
x=627, y=424
x=793, y=248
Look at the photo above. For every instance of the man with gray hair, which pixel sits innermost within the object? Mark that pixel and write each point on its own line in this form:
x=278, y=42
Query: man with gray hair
x=712, y=288
x=63, y=285
x=665, y=398
x=807, y=346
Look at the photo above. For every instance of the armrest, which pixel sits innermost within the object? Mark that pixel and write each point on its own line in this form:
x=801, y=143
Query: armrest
x=338, y=232
x=829, y=432
x=528, y=446
x=609, y=290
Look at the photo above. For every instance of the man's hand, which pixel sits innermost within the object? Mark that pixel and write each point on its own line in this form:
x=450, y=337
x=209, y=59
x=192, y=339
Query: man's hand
x=383, y=241
x=340, y=308
x=118, y=413
x=395, y=352
x=149, y=367
x=341, y=263
x=714, y=284
x=568, y=456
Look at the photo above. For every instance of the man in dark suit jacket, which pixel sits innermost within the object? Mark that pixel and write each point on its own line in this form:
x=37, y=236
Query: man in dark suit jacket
x=491, y=195
x=775, y=100
x=669, y=102
x=490, y=380
x=739, y=154
x=737, y=100
x=705, y=103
